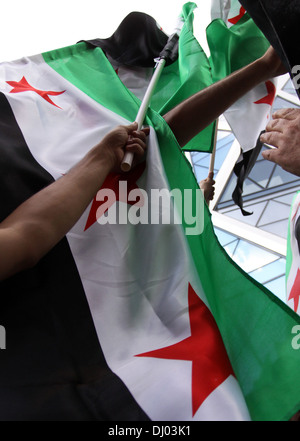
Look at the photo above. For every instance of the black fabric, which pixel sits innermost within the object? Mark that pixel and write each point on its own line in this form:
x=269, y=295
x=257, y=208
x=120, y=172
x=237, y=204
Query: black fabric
x=136, y=42
x=279, y=21
x=297, y=233
x=242, y=169
x=53, y=368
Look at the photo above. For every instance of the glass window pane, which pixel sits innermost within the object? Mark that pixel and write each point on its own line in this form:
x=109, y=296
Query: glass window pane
x=274, y=211
x=287, y=198
x=256, y=209
x=221, y=153
x=289, y=88
x=280, y=177
x=250, y=257
x=278, y=288
x=279, y=228
x=231, y=247
x=200, y=172
x=200, y=158
x=280, y=103
x=250, y=187
x=227, y=194
x=268, y=272
x=261, y=172
x=224, y=237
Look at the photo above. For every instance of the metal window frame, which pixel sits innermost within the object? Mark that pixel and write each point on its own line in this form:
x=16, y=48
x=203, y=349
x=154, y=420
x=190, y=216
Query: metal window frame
x=243, y=230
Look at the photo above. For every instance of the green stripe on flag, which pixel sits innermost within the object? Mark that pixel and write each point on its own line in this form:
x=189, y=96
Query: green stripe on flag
x=89, y=70
x=289, y=254
x=235, y=47
x=185, y=77
x=180, y=80
x=255, y=325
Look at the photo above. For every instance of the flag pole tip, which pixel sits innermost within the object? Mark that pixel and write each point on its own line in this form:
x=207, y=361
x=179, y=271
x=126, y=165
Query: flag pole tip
x=125, y=167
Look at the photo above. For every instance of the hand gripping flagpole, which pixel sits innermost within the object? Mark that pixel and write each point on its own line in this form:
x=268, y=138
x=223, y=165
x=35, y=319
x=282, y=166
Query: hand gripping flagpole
x=160, y=64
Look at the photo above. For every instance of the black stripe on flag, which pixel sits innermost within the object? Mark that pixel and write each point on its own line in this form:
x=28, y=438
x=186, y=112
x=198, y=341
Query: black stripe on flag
x=53, y=367
x=136, y=42
x=242, y=170
x=279, y=21
x=297, y=233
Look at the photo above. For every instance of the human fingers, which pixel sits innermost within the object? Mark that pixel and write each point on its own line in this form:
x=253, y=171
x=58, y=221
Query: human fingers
x=288, y=163
x=271, y=137
x=271, y=155
x=146, y=130
x=137, y=144
x=275, y=125
x=131, y=127
x=288, y=114
x=139, y=136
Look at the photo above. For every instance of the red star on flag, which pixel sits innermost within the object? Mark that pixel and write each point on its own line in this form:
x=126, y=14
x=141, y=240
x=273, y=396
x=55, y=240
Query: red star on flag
x=235, y=19
x=204, y=348
x=24, y=86
x=269, y=98
x=295, y=291
x=112, y=182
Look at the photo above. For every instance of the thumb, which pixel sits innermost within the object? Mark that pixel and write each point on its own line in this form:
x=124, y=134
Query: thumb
x=131, y=127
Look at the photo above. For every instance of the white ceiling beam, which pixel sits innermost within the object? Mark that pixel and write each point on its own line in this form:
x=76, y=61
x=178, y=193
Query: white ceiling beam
x=249, y=233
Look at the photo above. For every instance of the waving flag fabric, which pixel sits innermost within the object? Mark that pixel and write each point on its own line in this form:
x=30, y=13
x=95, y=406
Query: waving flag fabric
x=235, y=41
x=293, y=257
x=127, y=321
x=132, y=50
x=279, y=22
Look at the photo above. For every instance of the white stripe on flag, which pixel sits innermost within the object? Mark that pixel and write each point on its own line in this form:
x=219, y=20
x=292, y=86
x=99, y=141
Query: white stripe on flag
x=294, y=269
x=135, y=277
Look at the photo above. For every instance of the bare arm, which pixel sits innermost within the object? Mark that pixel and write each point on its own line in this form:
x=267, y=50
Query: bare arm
x=44, y=219
x=197, y=112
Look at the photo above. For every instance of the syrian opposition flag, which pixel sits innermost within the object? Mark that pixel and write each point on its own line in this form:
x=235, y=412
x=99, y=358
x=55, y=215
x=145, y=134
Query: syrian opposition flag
x=127, y=319
x=230, y=11
x=279, y=21
x=133, y=50
x=235, y=41
x=293, y=257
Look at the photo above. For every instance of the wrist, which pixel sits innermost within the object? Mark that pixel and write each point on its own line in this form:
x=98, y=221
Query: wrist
x=91, y=171
x=267, y=68
x=99, y=158
x=262, y=70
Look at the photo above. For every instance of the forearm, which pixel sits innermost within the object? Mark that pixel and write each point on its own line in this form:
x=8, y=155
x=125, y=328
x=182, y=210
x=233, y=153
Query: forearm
x=46, y=217
x=43, y=220
x=194, y=114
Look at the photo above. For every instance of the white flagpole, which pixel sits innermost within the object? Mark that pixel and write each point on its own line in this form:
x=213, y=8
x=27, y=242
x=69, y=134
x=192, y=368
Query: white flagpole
x=128, y=158
x=213, y=153
x=160, y=63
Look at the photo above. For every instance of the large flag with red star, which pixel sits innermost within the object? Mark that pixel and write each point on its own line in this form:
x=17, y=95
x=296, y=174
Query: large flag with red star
x=130, y=317
x=235, y=41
